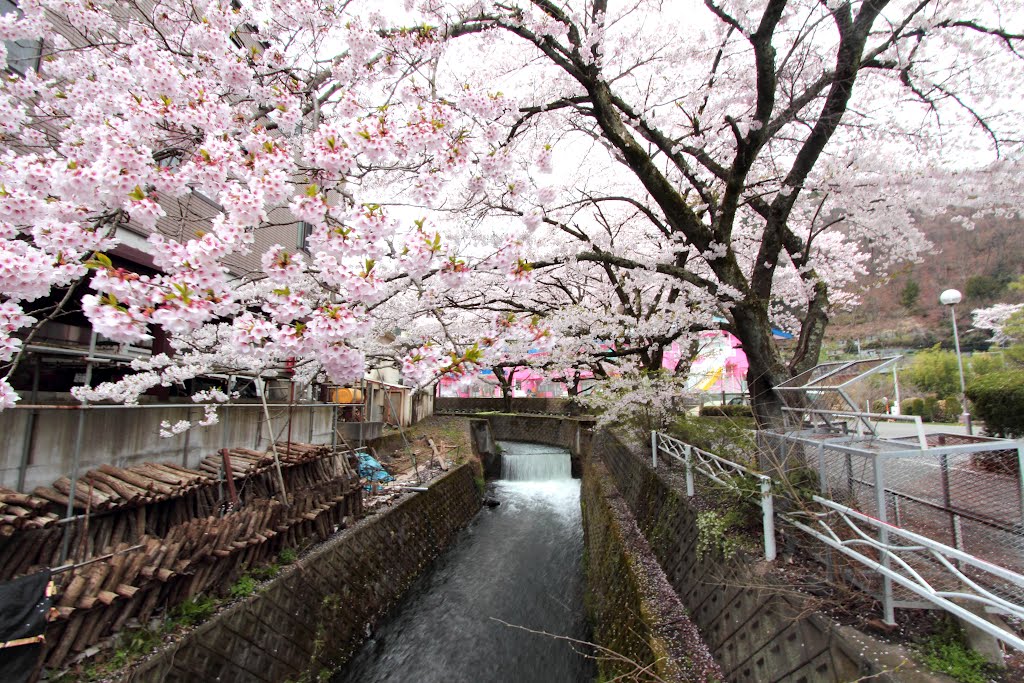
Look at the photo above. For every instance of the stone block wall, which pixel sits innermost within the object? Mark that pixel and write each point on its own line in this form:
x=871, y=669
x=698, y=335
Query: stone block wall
x=759, y=629
x=573, y=434
x=315, y=615
x=485, y=448
x=633, y=609
x=570, y=433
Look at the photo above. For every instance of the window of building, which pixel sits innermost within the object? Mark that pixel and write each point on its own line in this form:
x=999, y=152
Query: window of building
x=305, y=230
x=22, y=55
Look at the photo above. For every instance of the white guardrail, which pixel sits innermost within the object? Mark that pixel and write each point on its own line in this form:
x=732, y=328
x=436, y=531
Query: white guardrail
x=899, y=547
x=894, y=546
x=721, y=472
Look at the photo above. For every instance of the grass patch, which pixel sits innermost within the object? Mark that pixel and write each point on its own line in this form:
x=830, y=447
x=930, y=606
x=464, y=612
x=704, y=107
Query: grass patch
x=947, y=652
x=266, y=572
x=244, y=587
x=131, y=646
x=193, y=611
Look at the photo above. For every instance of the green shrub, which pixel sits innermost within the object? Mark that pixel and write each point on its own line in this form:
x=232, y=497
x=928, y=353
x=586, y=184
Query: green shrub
x=934, y=371
x=244, y=587
x=998, y=401
x=931, y=409
x=951, y=410
x=912, y=406
x=713, y=536
x=287, y=556
x=193, y=611
x=726, y=411
x=730, y=439
x=984, y=287
x=987, y=363
x=917, y=406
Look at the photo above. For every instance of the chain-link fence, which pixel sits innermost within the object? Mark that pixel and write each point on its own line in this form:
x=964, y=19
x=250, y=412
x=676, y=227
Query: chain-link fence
x=961, y=491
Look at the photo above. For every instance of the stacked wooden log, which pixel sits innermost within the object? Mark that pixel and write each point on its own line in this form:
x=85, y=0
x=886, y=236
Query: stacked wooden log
x=193, y=558
x=244, y=463
x=23, y=511
x=189, y=540
x=296, y=453
x=108, y=487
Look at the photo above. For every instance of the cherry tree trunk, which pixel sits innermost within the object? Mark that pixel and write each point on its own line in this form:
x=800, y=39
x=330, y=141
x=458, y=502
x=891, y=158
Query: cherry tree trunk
x=766, y=370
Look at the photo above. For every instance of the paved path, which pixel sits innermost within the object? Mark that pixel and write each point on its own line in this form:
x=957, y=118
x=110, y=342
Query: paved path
x=897, y=429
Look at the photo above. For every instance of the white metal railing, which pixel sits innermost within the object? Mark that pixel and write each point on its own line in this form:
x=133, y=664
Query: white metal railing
x=894, y=546
x=894, y=563
x=862, y=417
x=721, y=471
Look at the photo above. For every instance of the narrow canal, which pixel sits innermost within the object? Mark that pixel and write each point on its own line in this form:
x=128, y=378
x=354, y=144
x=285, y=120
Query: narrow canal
x=517, y=566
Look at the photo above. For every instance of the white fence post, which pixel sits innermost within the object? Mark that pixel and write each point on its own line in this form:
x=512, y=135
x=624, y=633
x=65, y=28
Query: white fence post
x=654, y=449
x=888, y=612
x=688, y=450
x=1020, y=479
x=768, y=514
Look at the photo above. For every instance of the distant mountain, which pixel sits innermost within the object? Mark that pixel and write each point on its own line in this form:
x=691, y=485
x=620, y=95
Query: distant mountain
x=902, y=309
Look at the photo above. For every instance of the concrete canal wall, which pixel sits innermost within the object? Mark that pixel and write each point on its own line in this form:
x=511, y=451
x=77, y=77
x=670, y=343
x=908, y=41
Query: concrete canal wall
x=314, y=616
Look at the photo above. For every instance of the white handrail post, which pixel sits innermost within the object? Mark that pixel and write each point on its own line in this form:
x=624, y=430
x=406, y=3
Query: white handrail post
x=654, y=449
x=888, y=611
x=1020, y=478
x=768, y=514
x=688, y=450
x=922, y=440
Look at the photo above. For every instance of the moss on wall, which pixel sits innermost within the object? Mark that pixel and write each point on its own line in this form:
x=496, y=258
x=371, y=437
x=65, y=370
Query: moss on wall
x=640, y=625
x=759, y=628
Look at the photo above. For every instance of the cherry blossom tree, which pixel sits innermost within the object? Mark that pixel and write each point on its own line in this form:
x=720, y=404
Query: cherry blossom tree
x=310, y=111
x=598, y=179
x=999, y=319
x=755, y=153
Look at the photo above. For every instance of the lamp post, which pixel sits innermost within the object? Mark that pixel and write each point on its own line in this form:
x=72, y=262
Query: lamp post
x=951, y=298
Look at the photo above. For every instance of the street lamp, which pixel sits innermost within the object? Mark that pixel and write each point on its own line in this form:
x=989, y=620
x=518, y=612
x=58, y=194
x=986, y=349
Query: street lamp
x=951, y=298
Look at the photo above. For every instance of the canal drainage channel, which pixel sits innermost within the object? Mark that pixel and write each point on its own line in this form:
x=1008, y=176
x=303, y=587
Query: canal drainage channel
x=517, y=566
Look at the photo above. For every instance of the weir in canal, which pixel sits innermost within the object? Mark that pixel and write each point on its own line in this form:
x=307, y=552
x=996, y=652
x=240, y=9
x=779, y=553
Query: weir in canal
x=517, y=565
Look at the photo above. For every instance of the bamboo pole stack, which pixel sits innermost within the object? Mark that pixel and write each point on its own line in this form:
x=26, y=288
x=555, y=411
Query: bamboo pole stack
x=189, y=541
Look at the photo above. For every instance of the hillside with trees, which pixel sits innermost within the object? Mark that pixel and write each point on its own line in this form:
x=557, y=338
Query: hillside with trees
x=902, y=308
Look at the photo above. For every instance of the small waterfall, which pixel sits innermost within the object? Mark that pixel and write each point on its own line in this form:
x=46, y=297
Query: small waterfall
x=530, y=462
x=518, y=563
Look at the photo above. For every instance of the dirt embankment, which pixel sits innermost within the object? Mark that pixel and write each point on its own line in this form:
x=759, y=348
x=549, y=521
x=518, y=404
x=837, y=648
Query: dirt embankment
x=413, y=457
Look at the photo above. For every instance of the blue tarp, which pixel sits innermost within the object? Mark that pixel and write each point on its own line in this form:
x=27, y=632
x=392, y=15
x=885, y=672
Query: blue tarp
x=371, y=470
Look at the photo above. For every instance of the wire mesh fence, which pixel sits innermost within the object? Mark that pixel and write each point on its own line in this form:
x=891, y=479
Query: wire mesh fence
x=923, y=522
x=963, y=492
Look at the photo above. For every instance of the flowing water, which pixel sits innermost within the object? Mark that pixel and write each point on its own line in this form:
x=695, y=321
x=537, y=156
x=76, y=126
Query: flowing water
x=519, y=563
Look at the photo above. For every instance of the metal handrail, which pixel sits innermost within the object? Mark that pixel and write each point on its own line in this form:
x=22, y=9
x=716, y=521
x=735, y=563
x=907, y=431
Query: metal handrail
x=909, y=578
x=890, y=565
x=672, y=446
